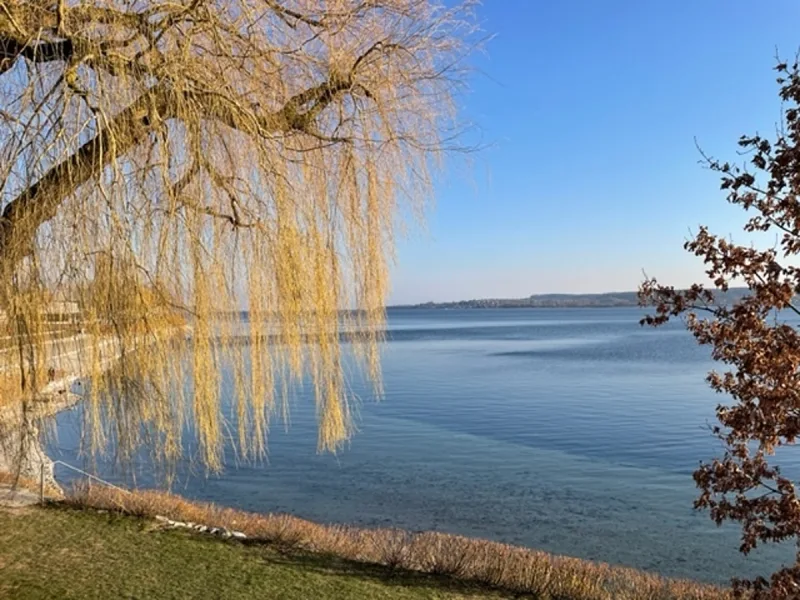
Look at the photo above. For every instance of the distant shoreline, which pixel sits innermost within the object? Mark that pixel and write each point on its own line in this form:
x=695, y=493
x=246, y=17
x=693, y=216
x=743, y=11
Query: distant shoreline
x=466, y=306
x=605, y=300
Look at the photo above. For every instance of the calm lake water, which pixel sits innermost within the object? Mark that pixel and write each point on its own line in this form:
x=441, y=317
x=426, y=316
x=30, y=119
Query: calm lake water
x=573, y=431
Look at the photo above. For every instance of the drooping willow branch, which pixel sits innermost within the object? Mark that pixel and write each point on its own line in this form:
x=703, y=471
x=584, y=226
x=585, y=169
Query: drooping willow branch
x=165, y=163
x=39, y=203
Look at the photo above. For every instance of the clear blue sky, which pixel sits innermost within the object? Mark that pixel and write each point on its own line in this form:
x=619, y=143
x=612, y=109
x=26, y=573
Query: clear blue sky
x=591, y=109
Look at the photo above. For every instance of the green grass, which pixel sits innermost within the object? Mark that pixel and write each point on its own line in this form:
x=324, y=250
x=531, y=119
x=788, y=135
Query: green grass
x=68, y=553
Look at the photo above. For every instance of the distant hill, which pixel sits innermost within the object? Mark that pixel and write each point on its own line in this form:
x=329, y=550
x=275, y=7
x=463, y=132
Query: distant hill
x=606, y=300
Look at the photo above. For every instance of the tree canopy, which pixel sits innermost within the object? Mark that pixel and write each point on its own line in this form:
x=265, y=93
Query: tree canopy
x=167, y=162
x=756, y=338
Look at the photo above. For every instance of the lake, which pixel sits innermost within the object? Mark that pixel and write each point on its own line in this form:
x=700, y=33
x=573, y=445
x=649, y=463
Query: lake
x=573, y=431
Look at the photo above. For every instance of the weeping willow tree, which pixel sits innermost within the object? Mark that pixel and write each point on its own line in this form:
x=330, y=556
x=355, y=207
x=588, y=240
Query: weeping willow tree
x=166, y=163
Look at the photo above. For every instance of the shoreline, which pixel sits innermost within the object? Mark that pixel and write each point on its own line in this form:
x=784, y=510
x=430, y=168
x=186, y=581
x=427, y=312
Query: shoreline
x=21, y=451
x=510, y=567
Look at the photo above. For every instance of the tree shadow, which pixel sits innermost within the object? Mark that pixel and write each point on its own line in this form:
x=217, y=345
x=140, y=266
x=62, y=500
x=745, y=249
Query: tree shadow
x=330, y=564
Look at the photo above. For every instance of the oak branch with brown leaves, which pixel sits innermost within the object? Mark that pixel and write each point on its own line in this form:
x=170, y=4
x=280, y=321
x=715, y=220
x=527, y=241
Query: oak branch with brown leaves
x=754, y=340
x=165, y=162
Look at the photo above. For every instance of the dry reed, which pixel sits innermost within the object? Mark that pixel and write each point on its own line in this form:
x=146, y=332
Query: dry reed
x=25, y=483
x=513, y=568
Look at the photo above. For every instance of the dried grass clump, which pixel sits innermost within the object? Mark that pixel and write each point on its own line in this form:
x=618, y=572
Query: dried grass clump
x=499, y=565
x=18, y=482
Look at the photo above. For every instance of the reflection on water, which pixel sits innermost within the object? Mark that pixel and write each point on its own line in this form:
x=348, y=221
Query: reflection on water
x=573, y=431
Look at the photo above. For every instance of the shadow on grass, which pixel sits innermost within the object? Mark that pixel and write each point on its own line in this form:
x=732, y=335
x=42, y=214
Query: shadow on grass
x=328, y=564
x=287, y=555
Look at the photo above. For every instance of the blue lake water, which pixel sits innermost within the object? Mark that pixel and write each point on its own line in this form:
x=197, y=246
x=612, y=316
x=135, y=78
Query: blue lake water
x=573, y=431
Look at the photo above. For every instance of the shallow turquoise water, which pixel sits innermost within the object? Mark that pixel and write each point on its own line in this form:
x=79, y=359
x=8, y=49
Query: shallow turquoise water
x=573, y=431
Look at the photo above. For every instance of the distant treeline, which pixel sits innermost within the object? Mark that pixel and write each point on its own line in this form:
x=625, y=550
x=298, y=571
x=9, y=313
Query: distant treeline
x=564, y=301
x=606, y=300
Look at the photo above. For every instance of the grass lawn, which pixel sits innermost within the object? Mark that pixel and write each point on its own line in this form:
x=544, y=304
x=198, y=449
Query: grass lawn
x=68, y=553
